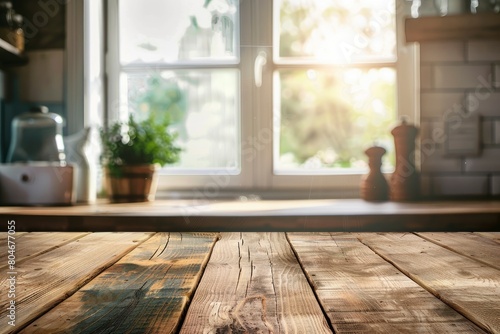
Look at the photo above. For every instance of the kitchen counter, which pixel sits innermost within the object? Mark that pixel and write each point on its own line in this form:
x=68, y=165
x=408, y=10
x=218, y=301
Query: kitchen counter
x=261, y=215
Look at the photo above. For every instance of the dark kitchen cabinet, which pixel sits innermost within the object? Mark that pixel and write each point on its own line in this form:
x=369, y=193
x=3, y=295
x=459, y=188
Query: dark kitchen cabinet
x=9, y=57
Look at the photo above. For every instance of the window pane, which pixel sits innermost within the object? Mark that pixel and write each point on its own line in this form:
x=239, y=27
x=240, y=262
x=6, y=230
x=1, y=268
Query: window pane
x=204, y=108
x=326, y=119
x=336, y=31
x=175, y=31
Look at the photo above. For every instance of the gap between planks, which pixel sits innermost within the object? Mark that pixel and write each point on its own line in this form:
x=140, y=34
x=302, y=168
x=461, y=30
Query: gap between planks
x=197, y=283
x=433, y=272
x=311, y=283
x=147, y=290
x=295, y=254
x=347, y=277
x=33, y=300
x=476, y=247
x=254, y=283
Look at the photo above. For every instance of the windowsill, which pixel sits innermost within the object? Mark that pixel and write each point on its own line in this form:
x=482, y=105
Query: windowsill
x=238, y=194
x=261, y=215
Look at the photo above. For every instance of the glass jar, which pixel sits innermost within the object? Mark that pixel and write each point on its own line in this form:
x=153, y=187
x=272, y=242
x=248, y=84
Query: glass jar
x=37, y=136
x=483, y=6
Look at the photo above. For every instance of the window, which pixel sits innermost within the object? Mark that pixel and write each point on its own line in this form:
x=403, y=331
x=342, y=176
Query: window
x=334, y=83
x=265, y=95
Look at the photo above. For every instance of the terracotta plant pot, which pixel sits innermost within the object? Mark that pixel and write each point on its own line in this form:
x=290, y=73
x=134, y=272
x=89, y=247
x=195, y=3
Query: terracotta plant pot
x=136, y=183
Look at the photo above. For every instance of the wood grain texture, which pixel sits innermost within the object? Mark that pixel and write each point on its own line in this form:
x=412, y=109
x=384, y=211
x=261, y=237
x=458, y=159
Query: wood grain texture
x=147, y=291
x=495, y=236
x=361, y=292
x=253, y=284
x=265, y=215
x=471, y=245
x=29, y=245
x=459, y=27
x=3, y=237
x=46, y=280
x=470, y=287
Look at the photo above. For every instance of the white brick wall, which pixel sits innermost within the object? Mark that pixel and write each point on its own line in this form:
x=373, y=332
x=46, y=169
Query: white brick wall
x=442, y=51
x=437, y=104
x=460, y=185
x=485, y=101
x=437, y=163
x=462, y=76
x=487, y=133
x=495, y=185
x=426, y=79
x=496, y=133
x=488, y=161
x=483, y=50
x=458, y=76
x=425, y=186
x=496, y=81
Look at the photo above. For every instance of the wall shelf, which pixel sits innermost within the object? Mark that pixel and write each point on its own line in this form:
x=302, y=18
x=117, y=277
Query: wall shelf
x=462, y=27
x=10, y=55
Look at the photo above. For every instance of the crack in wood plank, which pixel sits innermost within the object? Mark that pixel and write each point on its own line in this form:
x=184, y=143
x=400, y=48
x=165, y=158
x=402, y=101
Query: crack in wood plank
x=165, y=245
x=271, y=294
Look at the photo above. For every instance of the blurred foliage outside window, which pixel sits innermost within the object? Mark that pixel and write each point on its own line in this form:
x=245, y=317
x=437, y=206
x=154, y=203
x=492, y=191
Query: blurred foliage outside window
x=339, y=97
x=179, y=60
x=334, y=80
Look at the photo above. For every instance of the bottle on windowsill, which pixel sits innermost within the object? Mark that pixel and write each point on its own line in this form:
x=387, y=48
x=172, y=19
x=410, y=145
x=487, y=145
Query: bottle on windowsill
x=405, y=181
x=374, y=186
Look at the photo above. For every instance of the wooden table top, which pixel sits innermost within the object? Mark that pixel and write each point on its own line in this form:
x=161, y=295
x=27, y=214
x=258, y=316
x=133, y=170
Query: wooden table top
x=301, y=282
x=261, y=215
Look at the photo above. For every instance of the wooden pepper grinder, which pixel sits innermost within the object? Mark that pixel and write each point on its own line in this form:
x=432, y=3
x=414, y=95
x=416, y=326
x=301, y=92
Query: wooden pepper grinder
x=405, y=181
x=374, y=186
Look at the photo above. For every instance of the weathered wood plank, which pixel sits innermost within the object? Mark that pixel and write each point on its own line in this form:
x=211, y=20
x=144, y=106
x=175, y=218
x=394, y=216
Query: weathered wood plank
x=483, y=26
x=361, y=292
x=147, y=291
x=36, y=243
x=3, y=236
x=46, y=280
x=253, y=284
x=495, y=236
x=471, y=245
x=470, y=287
x=4, y=239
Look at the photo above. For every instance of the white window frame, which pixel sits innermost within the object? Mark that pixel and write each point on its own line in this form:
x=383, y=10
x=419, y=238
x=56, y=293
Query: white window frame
x=256, y=113
x=345, y=185
x=213, y=183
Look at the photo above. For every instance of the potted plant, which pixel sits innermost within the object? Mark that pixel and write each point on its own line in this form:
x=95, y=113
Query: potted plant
x=132, y=153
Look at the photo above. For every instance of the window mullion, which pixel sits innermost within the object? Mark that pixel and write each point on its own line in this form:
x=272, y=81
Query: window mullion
x=113, y=62
x=262, y=23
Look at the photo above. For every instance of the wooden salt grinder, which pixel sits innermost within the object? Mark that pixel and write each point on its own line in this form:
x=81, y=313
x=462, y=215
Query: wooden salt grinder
x=374, y=186
x=405, y=181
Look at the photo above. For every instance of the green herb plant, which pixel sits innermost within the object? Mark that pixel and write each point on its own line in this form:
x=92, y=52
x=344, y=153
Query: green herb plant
x=138, y=142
